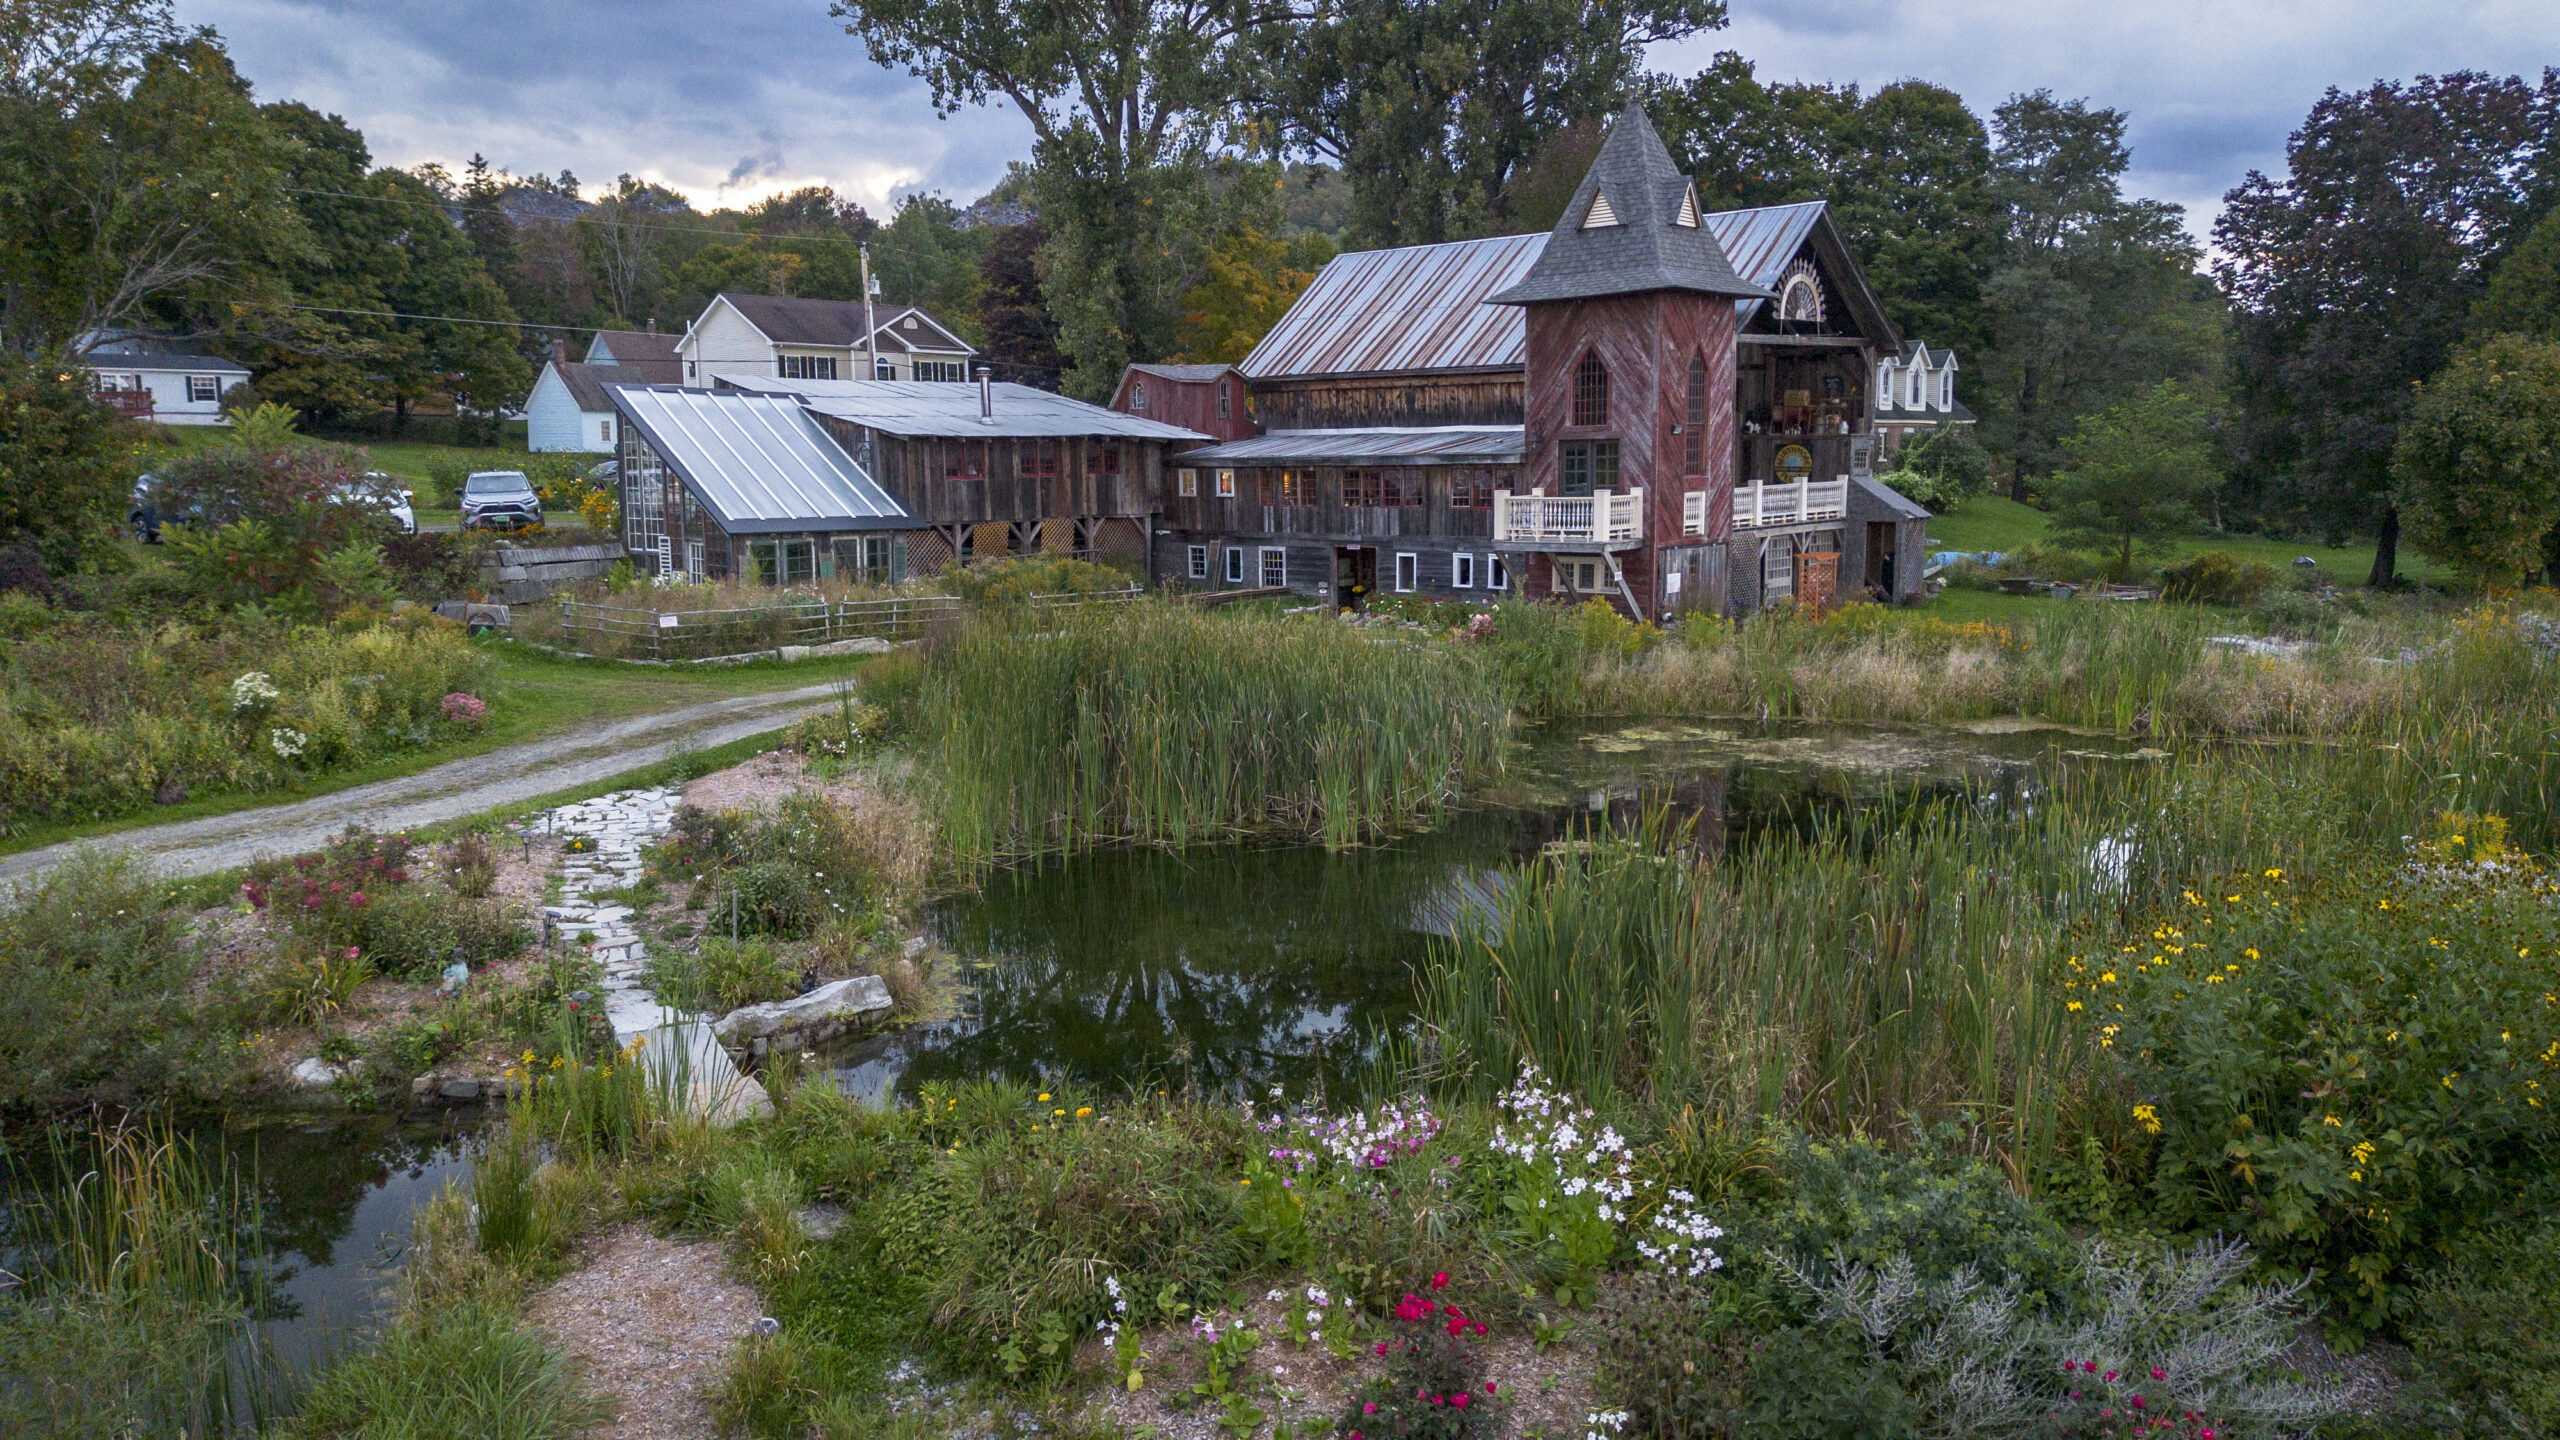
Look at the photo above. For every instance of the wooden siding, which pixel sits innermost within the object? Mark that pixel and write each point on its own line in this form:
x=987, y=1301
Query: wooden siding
x=1192, y=404
x=1324, y=515
x=914, y=472
x=1647, y=342
x=1389, y=401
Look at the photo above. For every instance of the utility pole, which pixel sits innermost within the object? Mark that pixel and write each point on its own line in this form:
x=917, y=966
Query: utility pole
x=870, y=325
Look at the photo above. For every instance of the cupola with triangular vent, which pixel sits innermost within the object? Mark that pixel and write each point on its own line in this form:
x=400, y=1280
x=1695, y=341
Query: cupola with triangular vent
x=1633, y=226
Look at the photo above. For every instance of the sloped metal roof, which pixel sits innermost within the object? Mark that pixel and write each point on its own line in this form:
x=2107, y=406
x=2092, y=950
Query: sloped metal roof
x=1421, y=307
x=1433, y=445
x=757, y=462
x=944, y=408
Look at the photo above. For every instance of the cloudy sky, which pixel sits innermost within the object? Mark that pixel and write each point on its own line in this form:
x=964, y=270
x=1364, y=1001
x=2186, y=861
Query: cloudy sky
x=734, y=100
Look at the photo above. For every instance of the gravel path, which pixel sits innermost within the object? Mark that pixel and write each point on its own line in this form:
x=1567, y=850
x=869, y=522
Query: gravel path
x=448, y=791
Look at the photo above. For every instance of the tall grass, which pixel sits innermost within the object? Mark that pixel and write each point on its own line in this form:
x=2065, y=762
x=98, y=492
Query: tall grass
x=1159, y=725
x=133, y=1312
x=1905, y=962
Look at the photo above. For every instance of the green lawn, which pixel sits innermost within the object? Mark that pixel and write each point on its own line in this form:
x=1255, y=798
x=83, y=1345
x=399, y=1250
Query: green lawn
x=414, y=463
x=530, y=694
x=1990, y=522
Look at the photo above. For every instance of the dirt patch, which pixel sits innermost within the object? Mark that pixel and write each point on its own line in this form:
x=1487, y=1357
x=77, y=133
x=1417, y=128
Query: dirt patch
x=759, y=784
x=1545, y=1393
x=653, y=1322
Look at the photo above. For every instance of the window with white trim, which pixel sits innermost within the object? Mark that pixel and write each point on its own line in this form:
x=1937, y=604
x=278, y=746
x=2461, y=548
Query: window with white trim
x=204, y=387
x=1946, y=390
x=1497, y=576
x=1462, y=570
x=1408, y=572
x=1187, y=480
x=604, y=429
x=807, y=367
x=1235, y=564
x=1199, y=562
x=1226, y=484
x=1275, y=567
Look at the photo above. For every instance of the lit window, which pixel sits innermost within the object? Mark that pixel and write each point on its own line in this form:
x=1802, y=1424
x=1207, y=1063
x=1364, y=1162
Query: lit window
x=1235, y=564
x=1187, y=481
x=1462, y=570
x=1227, y=484
x=1408, y=572
x=1591, y=391
x=1275, y=567
x=1199, y=557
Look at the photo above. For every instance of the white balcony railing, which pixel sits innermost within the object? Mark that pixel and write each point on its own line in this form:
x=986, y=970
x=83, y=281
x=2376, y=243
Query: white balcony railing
x=1795, y=502
x=1596, y=519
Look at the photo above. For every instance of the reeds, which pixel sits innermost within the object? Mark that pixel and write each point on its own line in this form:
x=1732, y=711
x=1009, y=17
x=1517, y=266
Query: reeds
x=133, y=1313
x=1158, y=725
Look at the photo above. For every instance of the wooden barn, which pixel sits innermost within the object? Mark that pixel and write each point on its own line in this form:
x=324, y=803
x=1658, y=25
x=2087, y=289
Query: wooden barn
x=789, y=480
x=1661, y=406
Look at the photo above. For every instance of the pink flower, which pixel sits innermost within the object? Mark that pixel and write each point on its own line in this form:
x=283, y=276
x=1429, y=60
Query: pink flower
x=2159, y=1374
x=2205, y=1434
x=2111, y=1377
x=2136, y=1402
x=1369, y=1407
x=1488, y=1387
x=356, y=899
x=1459, y=1399
x=1382, y=1347
x=1440, y=1281
x=1479, y=1327
x=351, y=952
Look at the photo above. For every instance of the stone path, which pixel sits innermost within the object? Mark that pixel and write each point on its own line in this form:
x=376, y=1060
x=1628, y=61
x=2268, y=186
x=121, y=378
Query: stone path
x=679, y=1048
x=445, y=792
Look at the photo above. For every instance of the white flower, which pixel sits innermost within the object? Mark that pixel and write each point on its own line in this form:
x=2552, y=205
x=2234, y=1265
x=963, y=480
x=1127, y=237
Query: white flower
x=287, y=743
x=252, y=689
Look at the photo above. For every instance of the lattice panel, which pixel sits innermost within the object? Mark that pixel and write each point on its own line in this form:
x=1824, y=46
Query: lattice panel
x=990, y=540
x=1058, y=535
x=1121, y=539
x=928, y=551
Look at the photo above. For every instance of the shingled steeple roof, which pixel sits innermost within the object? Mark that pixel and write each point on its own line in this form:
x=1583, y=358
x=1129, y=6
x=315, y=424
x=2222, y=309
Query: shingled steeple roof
x=1632, y=227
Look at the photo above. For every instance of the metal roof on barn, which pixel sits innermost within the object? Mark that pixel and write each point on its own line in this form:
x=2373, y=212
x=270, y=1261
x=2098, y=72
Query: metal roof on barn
x=943, y=408
x=1431, y=445
x=757, y=462
x=1422, y=307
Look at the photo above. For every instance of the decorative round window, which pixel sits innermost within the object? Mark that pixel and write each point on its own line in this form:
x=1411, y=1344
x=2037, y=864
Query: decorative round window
x=1794, y=463
x=1800, y=295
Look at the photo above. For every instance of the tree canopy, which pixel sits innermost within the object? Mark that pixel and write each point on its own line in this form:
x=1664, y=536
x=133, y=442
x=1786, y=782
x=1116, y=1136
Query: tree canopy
x=2476, y=472
x=2132, y=473
x=2355, y=274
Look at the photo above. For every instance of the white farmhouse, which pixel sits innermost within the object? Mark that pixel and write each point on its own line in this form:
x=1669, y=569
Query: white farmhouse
x=171, y=389
x=796, y=339
x=1915, y=394
x=568, y=411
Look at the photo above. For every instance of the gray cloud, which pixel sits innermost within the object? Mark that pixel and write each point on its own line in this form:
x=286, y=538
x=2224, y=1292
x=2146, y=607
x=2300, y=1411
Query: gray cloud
x=678, y=91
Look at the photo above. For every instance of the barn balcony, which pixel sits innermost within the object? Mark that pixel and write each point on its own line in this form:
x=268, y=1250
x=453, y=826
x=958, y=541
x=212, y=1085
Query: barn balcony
x=1778, y=504
x=1599, y=521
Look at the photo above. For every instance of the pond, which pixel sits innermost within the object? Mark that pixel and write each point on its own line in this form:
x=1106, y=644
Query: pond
x=1227, y=966
x=1239, y=965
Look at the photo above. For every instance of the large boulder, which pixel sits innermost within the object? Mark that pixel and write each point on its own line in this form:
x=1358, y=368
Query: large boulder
x=832, y=1009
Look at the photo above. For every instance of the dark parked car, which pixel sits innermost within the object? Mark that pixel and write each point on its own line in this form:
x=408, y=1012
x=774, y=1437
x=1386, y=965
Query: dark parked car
x=150, y=510
x=499, y=500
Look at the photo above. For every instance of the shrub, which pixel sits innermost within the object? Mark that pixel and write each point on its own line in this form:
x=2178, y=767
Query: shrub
x=722, y=975
x=362, y=894
x=95, y=965
x=2352, y=1069
x=791, y=873
x=1434, y=1386
x=1016, y=579
x=2212, y=577
x=2487, y=1330
x=1855, y=1202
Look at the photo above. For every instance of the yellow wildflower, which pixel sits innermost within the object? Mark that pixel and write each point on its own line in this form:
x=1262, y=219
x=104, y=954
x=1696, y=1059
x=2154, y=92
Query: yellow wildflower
x=1083, y=1110
x=2332, y=1120
x=1044, y=1094
x=2149, y=1116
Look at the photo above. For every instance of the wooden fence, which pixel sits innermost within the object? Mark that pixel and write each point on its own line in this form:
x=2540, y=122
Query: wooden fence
x=630, y=632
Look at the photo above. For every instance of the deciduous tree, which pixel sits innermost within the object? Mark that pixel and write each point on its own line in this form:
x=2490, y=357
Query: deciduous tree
x=2132, y=473
x=2477, y=469
x=134, y=171
x=1253, y=279
x=62, y=473
x=2355, y=273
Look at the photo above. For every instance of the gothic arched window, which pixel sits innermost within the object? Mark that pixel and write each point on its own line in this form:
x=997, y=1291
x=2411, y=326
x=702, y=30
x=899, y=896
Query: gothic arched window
x=1591, y=391
x=1693, y=432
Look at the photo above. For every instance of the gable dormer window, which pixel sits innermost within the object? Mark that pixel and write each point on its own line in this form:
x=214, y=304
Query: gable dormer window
x=1946, y=390
x=1688, y=216
x=1884, y=382
x=1137, y=394
x=1912, y=396
x=1601, y=215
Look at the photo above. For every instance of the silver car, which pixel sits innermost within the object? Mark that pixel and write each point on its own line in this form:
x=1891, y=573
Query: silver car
x=499, y=500
x=385, y=493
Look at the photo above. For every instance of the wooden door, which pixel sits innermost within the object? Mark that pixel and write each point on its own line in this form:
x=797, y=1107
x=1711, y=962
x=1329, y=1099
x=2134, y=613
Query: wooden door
x=1693, y=580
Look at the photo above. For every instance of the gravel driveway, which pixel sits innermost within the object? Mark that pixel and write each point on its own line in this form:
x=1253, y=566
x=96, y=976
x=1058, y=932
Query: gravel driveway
x=448, y=791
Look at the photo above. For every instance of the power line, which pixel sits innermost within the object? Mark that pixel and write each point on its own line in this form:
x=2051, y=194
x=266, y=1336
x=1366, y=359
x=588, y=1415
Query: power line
x=449, y=319
x=440, y=205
